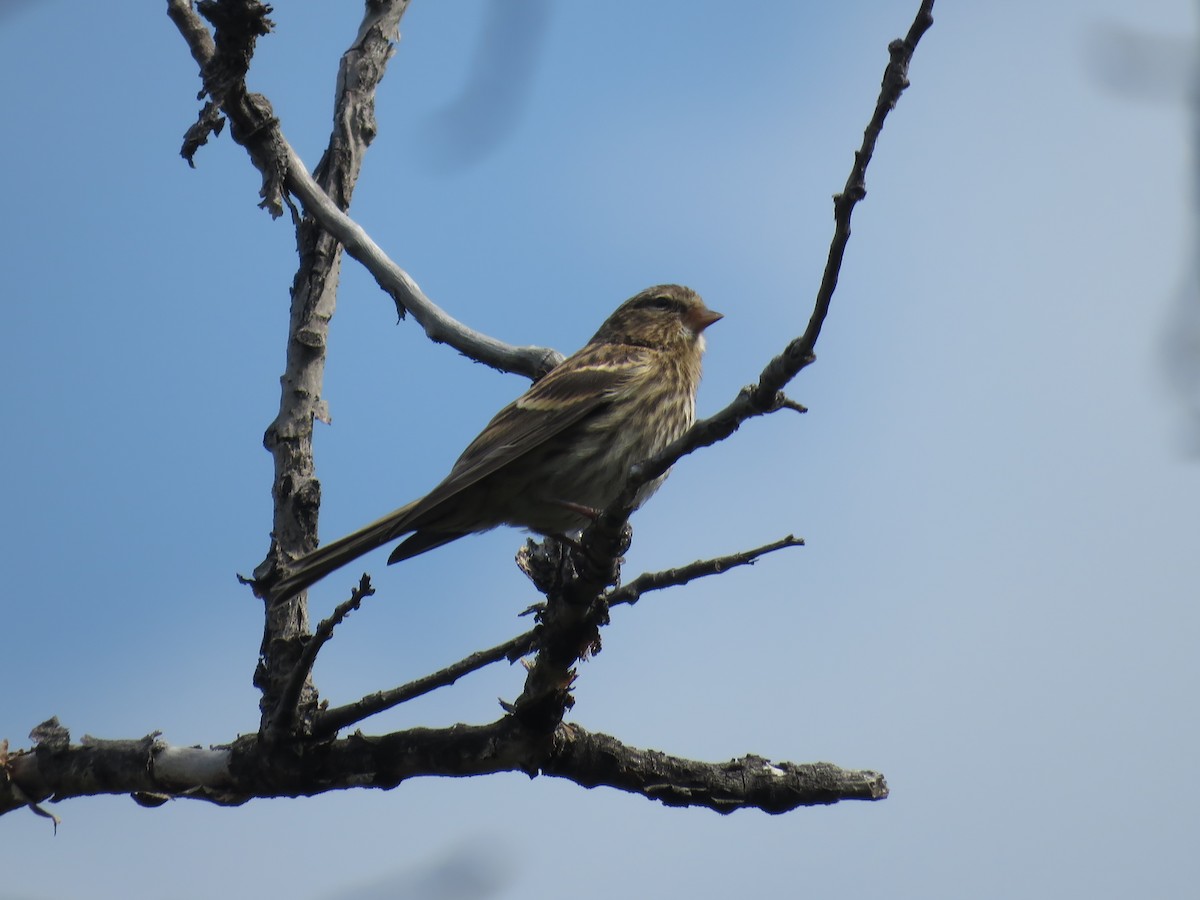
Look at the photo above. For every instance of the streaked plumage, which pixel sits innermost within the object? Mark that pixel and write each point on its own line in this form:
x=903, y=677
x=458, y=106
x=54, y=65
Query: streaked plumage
x=564, y=445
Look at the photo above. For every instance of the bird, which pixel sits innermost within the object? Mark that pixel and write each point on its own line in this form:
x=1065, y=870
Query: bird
x=561, y=452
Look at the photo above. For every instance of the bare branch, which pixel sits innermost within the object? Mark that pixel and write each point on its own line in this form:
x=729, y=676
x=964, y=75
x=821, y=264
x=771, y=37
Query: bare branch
x=786, y=402
x=654, y=581
x=198, y=39
x=287, y=709
x=146, y=767
x=750, y=782
x=333, y=720
x=569, y=624
x=256, y=128
x=154, y=771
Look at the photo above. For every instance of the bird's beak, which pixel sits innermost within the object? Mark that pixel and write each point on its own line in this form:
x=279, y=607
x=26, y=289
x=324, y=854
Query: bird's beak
x=699, y=319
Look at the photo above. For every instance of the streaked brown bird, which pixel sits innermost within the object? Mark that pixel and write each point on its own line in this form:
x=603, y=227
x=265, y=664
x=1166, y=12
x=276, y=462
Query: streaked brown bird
x=561, y=450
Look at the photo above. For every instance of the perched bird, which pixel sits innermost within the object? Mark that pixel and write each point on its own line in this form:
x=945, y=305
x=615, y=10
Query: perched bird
x=562, y=450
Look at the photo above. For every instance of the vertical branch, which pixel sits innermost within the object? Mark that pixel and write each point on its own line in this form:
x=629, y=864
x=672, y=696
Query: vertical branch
x=295, y=491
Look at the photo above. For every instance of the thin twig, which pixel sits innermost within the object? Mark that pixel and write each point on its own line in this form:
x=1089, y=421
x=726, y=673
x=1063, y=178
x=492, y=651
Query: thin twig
x=285, y=713
x=333, y=720
x=19, y=796
x=786, y=402
x=654, y=581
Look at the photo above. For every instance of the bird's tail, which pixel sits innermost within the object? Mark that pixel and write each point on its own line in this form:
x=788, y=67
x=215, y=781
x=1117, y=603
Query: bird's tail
x=310, y=569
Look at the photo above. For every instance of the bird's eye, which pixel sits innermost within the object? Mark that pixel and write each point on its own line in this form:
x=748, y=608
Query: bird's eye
x=662, y=303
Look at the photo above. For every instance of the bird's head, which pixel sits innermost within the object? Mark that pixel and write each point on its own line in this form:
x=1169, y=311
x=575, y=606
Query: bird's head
x=664, y=317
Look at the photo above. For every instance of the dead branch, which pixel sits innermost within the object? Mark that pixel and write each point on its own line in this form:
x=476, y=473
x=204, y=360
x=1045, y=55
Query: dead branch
x=655, y=581
x=153, y=771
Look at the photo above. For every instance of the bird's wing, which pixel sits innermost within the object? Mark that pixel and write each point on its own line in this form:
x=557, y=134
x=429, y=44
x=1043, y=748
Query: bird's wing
x=579, y=387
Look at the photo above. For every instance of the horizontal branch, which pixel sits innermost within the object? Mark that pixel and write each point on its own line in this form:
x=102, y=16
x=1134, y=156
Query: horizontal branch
x=153, y=771
x=655, y=581
x=592, y=759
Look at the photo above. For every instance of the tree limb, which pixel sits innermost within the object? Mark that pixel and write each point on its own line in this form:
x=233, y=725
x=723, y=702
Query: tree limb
x=592, y=759
x=289, y=700
x=654, y=581
x=154, y=771
x=333, y=720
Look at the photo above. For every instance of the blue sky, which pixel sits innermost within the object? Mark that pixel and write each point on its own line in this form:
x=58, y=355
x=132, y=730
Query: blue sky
x=996, y=606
